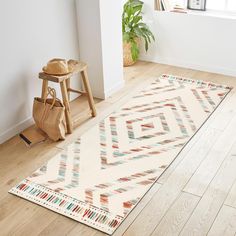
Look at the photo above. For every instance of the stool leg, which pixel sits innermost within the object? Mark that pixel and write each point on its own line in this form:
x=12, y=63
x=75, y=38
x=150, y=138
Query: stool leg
x=67, y=87
x=88, y=92
x=44, y=89
x=67, y=107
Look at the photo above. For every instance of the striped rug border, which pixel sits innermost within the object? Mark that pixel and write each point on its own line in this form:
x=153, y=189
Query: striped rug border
x=195, y=81
x=67, y=206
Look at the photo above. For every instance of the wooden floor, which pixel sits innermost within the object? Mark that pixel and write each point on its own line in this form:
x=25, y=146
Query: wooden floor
x=196, y=195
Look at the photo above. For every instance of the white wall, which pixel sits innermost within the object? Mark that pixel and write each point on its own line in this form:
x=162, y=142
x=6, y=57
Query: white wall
x=100, y=43
x=89, y=35
x=112, y=45
x=205, y=43
x=32, y=32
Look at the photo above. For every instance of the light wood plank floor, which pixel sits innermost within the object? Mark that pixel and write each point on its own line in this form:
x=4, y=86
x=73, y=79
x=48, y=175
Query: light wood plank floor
x=196, y=195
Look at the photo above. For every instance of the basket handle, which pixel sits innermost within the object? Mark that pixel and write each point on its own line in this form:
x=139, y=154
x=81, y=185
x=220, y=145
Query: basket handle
x=52, y=92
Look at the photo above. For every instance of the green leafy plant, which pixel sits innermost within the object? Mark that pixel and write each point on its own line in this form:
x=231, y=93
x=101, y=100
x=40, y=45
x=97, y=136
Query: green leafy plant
x=134, y=28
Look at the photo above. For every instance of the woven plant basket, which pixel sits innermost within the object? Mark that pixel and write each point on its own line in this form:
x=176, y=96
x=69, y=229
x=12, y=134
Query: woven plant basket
x=127, y=57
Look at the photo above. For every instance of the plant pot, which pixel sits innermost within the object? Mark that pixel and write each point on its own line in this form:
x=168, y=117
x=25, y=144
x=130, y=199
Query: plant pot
x=127, y=56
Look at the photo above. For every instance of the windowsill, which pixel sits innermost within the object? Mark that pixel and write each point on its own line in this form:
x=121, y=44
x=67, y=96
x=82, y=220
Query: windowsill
x=208, y=13
x=220, y=14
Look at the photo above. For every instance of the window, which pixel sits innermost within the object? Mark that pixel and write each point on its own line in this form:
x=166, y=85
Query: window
x=222, y=5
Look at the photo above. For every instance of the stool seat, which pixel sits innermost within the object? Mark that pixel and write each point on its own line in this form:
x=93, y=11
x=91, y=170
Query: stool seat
x=54, y=78
x=64, y=81
x=78, y=66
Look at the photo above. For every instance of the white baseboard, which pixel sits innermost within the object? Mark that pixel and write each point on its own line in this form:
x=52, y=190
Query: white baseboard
x=16, y=129
x=110, y=91
x=98, y=94
x=189, y=65
x=114, y=89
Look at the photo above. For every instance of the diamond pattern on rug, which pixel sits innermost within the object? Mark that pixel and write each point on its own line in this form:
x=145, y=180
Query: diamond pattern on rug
x=99, y=178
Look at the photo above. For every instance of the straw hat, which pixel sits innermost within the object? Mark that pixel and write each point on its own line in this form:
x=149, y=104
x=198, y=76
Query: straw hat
x=57, y=66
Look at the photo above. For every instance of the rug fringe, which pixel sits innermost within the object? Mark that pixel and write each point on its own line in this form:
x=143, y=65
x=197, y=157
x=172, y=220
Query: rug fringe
x=68, y=206
x=202, y=82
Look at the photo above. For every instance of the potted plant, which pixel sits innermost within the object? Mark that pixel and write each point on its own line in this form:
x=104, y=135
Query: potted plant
x=134, y=30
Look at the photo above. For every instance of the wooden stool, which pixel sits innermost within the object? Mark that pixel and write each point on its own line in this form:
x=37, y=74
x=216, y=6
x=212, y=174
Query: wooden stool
x=64, y=80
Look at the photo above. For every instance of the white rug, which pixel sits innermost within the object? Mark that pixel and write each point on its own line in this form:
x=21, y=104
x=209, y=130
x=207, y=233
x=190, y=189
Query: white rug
x=98, y=179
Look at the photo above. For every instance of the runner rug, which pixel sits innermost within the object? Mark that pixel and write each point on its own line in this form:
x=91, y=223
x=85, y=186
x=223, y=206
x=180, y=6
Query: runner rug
x=99, y=178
